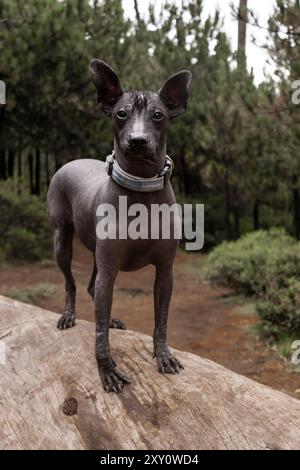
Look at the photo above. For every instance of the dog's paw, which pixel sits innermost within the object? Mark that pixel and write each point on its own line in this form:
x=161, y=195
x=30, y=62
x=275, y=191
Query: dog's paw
x=168, y=364
x=67, y=320
x=114, y=381
x=115, y=323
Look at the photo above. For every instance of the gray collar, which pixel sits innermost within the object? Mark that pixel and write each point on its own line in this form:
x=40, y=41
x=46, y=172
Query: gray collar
x=134, y=183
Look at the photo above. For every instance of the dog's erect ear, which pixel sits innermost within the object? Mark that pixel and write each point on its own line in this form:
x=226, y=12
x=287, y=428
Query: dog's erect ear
x=109, y=88
x=174, y=92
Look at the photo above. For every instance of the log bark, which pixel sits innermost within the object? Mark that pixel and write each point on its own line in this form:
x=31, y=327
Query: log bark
x=51, y=398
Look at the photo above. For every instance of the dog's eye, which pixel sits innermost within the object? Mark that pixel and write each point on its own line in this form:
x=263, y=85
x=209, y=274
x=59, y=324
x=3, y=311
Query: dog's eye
x=122, y=115
x=157, y=116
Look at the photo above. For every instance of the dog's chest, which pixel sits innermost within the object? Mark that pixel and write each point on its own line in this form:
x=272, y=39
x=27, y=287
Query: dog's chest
x=141, y=227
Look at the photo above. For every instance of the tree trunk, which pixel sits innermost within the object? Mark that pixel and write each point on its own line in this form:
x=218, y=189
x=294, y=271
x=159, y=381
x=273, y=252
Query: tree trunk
x=3, y=172
x=19, y=164
x=30, y=169
x=47, y=172
x=137, y=11
x=227, y=208
x=51, y=396
x=256, y=224
x=296, y=210
x=57, y=163
x=19, y=171
x=11, y=163
x=242, y=33
x=236, y=223
x=80, y=9
x=37, y=185
x=183, y=174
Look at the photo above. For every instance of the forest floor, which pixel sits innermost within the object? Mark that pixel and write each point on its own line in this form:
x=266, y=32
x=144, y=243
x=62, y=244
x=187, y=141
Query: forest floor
x=204, y=320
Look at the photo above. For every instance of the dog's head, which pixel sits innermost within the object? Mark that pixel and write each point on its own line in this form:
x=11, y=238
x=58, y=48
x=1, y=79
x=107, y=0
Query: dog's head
x=140, y=118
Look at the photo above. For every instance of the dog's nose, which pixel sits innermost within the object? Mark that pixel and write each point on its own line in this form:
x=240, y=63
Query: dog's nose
x=137, y=142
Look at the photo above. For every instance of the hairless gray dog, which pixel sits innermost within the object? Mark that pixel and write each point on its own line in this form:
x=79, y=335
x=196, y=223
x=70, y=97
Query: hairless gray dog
x=139, y=121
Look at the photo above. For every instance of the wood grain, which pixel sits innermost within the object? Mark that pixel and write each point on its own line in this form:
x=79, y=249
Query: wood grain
x=51, y=398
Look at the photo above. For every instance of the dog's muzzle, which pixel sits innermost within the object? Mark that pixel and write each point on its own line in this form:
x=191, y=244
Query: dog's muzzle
x=135, y=183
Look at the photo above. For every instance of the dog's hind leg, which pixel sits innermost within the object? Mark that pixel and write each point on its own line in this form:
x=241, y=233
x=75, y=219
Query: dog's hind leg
x=63, y=248
x=114, y=322
x=91, y=286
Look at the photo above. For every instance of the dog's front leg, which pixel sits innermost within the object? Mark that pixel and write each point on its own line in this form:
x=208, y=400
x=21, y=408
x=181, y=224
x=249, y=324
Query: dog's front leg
x=112, y=379
x=163, y=286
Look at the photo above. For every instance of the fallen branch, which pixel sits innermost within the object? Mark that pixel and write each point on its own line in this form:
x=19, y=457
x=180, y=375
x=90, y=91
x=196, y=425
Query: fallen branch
x=51, y=398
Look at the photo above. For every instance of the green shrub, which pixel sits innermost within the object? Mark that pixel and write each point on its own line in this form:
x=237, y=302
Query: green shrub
x=279, y=310
x=24, y=228
x=21, y=244
x=265, y=264
x=32, y=294
x=255, y=263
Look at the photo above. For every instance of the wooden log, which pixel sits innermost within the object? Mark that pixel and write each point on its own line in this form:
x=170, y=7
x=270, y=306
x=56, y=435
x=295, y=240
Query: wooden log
x=51, y=398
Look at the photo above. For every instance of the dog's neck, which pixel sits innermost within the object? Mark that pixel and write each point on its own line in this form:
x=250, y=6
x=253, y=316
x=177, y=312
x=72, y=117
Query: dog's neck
x=141, y=167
